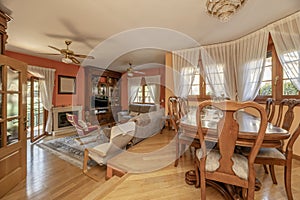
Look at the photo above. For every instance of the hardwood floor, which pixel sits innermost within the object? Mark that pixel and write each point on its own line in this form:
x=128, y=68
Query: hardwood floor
x=49, y=177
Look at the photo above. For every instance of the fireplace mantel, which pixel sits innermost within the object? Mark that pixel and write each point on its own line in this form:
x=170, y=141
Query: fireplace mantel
x=56, y=111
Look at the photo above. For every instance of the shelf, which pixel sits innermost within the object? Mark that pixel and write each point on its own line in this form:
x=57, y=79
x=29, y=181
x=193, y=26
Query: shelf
x=102, y=89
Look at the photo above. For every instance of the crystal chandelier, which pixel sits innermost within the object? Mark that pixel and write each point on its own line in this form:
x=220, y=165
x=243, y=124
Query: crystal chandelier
x=223, y=9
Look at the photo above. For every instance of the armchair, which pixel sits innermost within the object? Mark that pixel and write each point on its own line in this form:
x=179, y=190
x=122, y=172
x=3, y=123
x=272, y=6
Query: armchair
x=120, y=136
x=82, y=128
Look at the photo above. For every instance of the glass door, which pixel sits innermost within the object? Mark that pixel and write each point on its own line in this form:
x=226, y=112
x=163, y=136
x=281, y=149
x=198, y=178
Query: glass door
x=12, y=123
x=35, y=110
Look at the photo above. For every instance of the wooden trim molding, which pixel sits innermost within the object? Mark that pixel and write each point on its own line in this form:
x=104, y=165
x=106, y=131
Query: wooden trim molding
x=296, y=157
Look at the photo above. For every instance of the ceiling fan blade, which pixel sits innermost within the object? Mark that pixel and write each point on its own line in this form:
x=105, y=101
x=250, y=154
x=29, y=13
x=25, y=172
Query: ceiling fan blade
x=138, y=72
x=74, y=60
x=54, y=48
x=51, y=54
x=83, y=56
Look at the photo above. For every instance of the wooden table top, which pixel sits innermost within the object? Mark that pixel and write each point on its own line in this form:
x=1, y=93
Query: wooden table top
x=248, y=125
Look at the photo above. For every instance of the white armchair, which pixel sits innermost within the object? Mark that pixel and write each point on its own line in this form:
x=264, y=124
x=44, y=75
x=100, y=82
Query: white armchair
x=120, y=136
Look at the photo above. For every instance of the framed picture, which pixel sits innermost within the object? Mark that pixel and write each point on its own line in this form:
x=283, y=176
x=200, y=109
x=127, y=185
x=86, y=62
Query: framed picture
x=66, y=85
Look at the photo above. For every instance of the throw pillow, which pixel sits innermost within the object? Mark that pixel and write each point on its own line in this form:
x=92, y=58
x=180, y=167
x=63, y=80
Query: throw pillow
x=133, y=114
x=143, y=120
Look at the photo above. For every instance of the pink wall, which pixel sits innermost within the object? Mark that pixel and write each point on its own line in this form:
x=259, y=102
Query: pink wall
x=61, y=69
x=148, y=72
x=74, y=70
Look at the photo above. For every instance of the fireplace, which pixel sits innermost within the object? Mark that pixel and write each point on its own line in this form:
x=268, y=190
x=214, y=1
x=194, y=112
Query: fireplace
x=60, y=122
x=62, y=118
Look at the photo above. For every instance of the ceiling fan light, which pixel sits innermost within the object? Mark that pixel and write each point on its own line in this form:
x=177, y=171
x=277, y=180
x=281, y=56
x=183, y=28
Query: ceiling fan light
x=130, y=74
x=66, y=60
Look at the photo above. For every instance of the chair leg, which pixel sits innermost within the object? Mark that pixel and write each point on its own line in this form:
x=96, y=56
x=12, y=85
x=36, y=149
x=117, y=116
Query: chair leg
x=85, y=168
x=197, y=173
x=85, y=161
x=182, y=149
x=266, y=169
x=177, y=154
x=203, y=187
x=287, y=181
x=272, y=172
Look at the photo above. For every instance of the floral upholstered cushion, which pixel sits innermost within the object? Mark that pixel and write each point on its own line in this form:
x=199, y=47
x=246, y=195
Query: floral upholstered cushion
x=265, y=153
x=270, y=153
x=240, y=163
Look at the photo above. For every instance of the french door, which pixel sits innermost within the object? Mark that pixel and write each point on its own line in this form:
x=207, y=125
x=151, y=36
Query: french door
x=12, y=123
x=35, y=110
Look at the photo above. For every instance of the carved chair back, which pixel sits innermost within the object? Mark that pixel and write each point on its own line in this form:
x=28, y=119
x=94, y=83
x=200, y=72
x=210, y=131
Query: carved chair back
x=227, y=132
x=174, y=111
x=270, y=109
x=183, y=106
x=285, y=119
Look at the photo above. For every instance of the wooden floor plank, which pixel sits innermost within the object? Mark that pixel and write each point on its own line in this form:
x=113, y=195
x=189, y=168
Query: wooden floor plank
x=49, y=177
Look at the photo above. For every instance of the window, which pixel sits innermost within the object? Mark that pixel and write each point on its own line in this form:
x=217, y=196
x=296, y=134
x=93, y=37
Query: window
x=288, y=87
x=143, y=95
x=201, y=89
x=266, y=85
x=195, y=89
x=276, y=83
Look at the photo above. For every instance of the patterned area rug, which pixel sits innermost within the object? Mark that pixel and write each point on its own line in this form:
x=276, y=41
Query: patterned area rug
x=71, y=148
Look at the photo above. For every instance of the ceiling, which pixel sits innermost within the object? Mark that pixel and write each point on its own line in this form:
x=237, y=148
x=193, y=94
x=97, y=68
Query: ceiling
x=116, y=32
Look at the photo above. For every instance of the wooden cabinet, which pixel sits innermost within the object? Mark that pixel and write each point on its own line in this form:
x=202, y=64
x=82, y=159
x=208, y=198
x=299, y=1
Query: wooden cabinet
x=3, y=26
x=102, y=95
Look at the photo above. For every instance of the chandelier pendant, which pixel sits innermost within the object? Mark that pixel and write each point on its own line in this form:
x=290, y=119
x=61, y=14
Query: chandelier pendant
x=223, y=9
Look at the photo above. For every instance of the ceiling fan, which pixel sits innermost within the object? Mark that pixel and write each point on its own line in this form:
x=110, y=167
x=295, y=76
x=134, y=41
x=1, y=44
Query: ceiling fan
x=69, y=55
x=131, y=71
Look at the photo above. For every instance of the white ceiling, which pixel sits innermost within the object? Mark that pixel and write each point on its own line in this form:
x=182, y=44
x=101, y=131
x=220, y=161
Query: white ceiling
x=139, y=31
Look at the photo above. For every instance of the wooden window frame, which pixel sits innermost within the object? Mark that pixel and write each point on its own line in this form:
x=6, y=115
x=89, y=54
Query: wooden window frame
x=143, y=96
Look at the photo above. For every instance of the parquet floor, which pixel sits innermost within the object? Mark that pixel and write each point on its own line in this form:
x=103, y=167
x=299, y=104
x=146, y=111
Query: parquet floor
x=49, y=177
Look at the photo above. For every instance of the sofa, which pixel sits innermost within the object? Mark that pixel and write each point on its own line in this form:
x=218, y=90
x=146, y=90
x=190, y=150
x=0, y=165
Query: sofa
x=134, y=110
x=148, y=124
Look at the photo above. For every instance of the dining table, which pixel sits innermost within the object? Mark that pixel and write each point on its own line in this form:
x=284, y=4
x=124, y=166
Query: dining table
x=248, y=128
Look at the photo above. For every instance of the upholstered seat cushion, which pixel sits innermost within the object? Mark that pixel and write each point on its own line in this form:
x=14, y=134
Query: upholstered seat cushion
x=102, y=149
x=270, y=153
x=265, y=153
x=240, y=162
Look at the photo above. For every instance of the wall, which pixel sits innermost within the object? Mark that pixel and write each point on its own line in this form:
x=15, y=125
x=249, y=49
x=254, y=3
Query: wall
x=169, y=89
x=61, y=69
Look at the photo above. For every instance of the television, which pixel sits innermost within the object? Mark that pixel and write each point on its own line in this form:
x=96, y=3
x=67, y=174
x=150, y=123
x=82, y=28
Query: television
x=99, y=102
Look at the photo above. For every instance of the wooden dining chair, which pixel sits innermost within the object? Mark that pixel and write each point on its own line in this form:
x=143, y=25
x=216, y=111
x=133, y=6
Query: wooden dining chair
x=183, y=106
x=284, y=120
x=273, y=156
x=182, y=140
x=270, y=109
x=223, y=164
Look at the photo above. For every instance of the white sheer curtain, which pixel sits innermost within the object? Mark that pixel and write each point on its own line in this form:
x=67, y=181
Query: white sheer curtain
x=153, y=84
x=184, y=64
x=133, y=88
x=250, y=55
x=286, y=37
x=218, y=69
x=236, y=68
x=47, y=77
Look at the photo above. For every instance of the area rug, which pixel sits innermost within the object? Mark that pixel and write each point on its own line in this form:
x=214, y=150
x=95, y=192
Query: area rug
x=71, y=148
